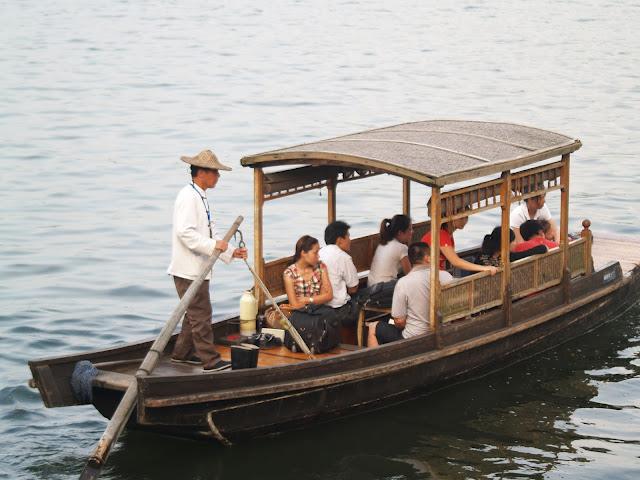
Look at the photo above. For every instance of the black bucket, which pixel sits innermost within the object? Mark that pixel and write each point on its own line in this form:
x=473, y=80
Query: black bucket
x=244, y=355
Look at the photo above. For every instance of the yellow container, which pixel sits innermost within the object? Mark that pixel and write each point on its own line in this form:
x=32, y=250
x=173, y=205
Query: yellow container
x=248, y=313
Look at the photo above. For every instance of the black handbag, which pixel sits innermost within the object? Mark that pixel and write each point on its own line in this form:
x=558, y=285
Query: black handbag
x=318, y=326
x=379, y=295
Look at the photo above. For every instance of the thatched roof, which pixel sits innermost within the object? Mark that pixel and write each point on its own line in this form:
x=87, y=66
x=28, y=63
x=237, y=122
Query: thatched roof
x=436, y=152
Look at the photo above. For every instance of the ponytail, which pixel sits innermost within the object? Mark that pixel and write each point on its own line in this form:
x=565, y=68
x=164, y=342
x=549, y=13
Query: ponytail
x=390, y=228
x=384, y=231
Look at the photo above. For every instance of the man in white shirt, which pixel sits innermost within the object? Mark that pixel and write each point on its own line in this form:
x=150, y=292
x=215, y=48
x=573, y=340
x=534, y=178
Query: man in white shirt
x=410, y=306
x=533, y=208
x=194, y=238
x=342, y=272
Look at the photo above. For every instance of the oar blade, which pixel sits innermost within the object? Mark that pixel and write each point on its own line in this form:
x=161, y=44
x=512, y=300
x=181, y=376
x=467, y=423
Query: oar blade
x=91, y=470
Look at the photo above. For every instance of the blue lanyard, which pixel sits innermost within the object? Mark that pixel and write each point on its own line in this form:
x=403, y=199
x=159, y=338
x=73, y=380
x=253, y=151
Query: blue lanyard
x=205, y=204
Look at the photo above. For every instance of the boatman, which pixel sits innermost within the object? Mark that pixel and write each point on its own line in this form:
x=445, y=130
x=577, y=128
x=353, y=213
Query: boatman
x=194, y=239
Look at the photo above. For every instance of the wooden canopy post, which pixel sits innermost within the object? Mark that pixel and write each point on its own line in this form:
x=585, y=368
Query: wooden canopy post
x=434, y=301
x=331, y=199
x=564, y=225
x=258, y=257
x=505, y=241
x=406, y=196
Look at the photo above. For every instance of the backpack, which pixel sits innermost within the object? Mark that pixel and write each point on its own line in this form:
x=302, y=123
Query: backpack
x=379, y=295
x=318, y=326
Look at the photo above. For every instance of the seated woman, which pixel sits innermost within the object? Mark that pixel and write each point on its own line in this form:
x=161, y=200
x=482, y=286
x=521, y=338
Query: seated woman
x=391, y=253
x=306, y=280
x=490, y=250
x=447, y=248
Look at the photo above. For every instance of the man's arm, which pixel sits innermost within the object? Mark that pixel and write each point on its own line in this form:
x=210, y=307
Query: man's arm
x=400, y=322
x=351, y=276
x=554, y=229
x=399, y=307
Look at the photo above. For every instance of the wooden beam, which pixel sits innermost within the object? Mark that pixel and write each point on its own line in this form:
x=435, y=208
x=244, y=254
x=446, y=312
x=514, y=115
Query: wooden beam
x=406, y=196
x=434, y=301
x=331, y=199
x=564, y=224
x=505, y=241
x=258, y=256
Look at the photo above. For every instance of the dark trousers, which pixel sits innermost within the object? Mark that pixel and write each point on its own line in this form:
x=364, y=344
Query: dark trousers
x=196, y=336
x=348, y=313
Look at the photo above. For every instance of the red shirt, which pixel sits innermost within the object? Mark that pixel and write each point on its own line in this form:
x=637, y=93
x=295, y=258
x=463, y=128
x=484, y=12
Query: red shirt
x=534, y=242
x=446, y=240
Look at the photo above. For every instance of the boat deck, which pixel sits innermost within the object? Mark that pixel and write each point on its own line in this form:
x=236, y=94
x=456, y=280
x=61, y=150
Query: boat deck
x=118, y=374
x=607, y=249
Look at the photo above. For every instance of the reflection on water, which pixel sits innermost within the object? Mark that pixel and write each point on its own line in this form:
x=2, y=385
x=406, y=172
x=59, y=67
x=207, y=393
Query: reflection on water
x=98, y=104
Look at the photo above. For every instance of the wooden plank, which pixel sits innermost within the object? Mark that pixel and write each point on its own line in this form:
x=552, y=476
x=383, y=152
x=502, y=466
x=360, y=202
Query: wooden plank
x=505, y=240
x=258, y=257
x=435, y=261
x=331, y=200
x=406, y=196
x=564, y=225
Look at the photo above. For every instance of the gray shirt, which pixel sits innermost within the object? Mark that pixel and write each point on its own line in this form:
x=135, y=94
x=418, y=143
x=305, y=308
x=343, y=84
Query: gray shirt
x=411, y=299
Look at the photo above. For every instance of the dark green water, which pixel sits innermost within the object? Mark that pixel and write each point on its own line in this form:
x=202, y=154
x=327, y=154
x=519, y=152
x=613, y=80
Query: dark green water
x=99, y=101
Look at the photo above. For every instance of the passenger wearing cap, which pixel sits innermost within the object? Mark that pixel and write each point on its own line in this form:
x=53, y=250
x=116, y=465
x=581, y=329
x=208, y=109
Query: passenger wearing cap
x=194, y=238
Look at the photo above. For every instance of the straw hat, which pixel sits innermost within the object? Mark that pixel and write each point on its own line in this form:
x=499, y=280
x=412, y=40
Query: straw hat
x=205, y=159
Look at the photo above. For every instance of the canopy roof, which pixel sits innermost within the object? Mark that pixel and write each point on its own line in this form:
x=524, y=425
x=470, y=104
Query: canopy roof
x=436, y=152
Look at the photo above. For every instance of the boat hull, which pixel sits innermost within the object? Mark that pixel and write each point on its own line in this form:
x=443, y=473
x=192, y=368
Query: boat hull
x=289, y=398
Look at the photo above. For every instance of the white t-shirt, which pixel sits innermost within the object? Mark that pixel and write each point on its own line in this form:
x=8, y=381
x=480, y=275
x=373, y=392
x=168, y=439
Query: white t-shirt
x=386, y=262
x=520, y=214
x=342, y=273
x=411, y=299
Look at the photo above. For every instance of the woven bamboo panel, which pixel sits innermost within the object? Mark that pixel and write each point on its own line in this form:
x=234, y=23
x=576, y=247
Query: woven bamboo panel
x=577, y=257
x=456, y=299
x=549, y=268
x=522, y=277
x=470, y=295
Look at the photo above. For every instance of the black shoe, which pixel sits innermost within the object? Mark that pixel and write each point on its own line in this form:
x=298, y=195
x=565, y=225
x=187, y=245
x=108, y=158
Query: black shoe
x=193, y=360
x=216, y=366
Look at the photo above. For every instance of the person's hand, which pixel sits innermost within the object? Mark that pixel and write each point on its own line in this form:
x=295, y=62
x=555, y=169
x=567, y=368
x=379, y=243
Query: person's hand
x=240, y=253
x=221, y=245
x=492, y=270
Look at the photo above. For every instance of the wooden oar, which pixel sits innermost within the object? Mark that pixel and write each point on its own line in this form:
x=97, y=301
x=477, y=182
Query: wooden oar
x=99, y=456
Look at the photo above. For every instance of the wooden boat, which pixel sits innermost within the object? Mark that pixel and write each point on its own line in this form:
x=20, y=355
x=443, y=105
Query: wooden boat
x=477, y=322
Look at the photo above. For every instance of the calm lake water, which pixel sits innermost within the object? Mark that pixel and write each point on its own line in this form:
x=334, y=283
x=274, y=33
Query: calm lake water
x=98, y=101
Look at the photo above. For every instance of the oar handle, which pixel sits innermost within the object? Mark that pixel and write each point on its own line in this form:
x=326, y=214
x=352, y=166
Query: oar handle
x=120, y=417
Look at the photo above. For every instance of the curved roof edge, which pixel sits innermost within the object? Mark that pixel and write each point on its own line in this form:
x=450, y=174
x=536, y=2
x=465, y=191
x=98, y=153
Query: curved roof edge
x=437, y=152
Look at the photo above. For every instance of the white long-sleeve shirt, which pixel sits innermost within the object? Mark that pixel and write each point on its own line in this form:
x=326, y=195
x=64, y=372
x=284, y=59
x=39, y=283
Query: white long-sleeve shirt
x=191, y=244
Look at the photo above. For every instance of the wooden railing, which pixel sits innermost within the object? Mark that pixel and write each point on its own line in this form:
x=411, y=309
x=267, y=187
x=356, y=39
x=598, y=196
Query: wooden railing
x=471, y=294
x=482, y=291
